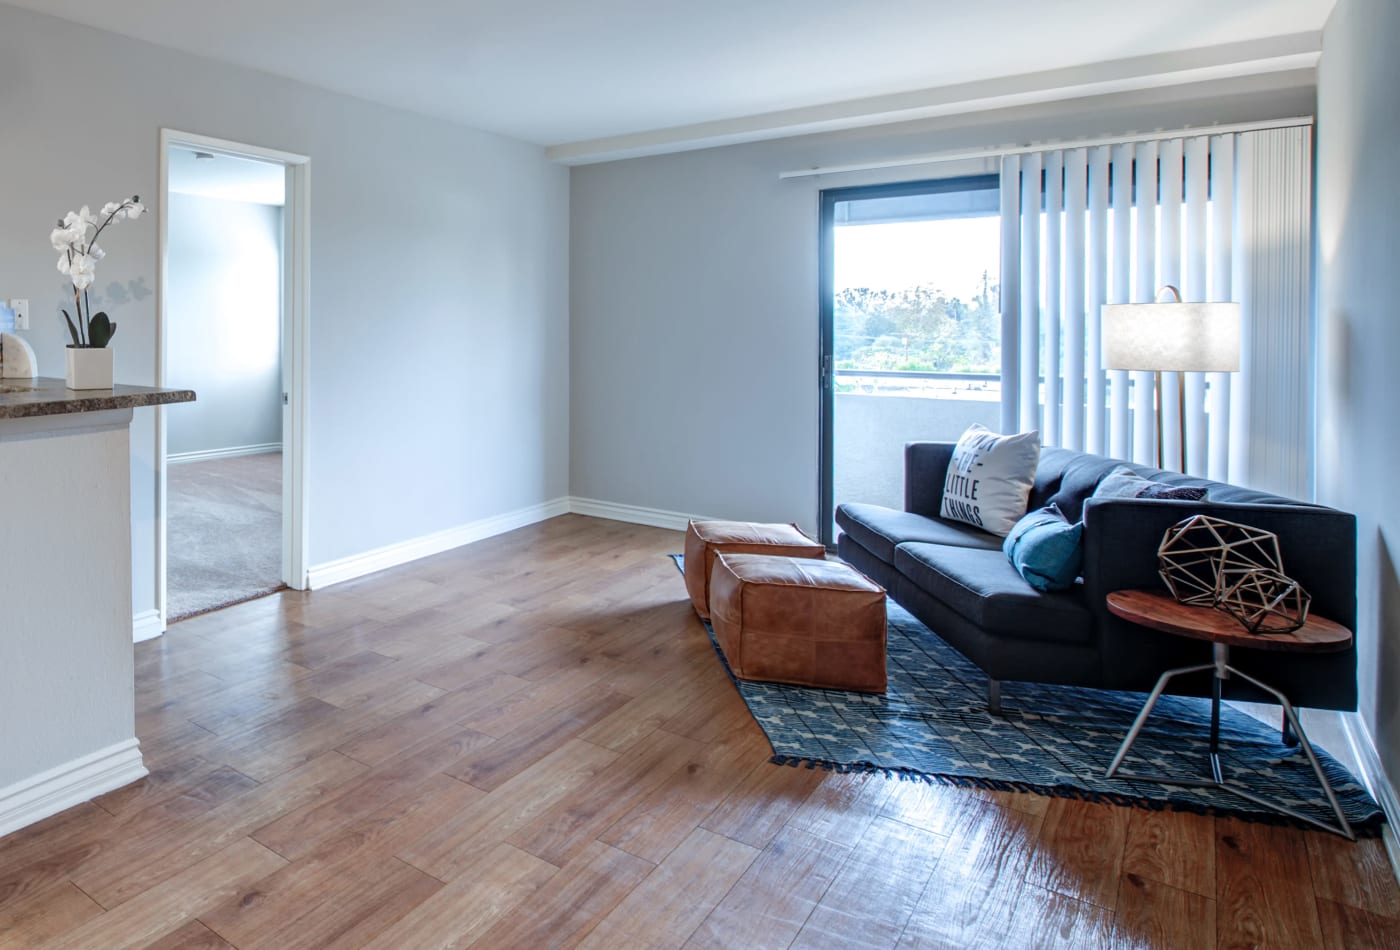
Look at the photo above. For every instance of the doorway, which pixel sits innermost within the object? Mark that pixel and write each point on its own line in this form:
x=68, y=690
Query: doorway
x=231, y=325
x=910, y=328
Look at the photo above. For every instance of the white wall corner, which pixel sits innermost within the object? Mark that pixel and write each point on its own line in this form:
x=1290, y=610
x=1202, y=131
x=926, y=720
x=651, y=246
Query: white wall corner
x=147, y=625
x=72, y=783
x=392, y=555
x=1373, y=776
x=633, y=514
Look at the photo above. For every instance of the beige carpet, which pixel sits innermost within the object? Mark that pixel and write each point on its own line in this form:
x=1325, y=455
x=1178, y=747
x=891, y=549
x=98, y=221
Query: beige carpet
x=224, y=523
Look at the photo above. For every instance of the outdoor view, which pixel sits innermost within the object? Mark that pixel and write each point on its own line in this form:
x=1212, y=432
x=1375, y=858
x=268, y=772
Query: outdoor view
x=917, y=333
x=918, y=296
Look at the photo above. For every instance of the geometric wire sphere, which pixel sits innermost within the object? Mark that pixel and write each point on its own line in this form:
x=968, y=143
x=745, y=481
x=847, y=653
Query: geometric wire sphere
x=1195, y=552
x=1263, y=600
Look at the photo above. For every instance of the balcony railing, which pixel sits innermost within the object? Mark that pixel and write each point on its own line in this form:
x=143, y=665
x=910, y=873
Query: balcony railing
x=911, y=374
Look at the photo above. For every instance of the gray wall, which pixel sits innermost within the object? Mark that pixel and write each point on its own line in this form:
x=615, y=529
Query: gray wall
x=223, y=323
x=1358, y=217
x=694, y=295
x=439, y=276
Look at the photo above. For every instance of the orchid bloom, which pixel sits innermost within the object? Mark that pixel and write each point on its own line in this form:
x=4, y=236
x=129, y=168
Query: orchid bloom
x=75, y=239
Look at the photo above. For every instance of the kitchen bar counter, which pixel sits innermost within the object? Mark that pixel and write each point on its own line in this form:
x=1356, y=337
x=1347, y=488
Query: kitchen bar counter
x=67, y=691
x=25, y=398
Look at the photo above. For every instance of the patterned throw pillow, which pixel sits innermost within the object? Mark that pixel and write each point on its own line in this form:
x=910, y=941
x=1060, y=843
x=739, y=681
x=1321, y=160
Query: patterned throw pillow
x=1046, y=549
x=989, y=479
x=1123, y=482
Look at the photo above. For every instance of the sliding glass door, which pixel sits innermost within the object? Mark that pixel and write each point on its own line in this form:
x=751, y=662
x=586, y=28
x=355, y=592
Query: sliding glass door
x=911, y=328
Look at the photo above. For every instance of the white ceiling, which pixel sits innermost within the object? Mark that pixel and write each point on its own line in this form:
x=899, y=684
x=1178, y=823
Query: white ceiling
x=228, y=177
x=565, y=71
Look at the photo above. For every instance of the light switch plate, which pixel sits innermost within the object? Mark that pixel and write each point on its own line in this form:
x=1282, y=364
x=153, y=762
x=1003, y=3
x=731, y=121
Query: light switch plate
x=21, y=308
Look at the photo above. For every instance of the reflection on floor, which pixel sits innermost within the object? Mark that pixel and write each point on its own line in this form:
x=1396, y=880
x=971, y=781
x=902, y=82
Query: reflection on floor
x=224, y=521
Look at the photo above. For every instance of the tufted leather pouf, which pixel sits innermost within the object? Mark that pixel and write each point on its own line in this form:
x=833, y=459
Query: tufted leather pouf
x=705, y=539
x=799, y=621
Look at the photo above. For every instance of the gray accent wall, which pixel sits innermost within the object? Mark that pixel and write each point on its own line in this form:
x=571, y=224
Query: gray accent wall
x=439, y=377
x=694, y=299
x=223, y=323
x=1358, y=386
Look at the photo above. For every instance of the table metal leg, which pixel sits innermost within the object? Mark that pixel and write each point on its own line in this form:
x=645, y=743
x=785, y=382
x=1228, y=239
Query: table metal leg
x=1147, y=711
x=1222, y=670
x=1344, y=828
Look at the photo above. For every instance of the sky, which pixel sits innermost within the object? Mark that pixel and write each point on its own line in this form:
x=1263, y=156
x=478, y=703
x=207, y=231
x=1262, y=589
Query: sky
x=950, y=254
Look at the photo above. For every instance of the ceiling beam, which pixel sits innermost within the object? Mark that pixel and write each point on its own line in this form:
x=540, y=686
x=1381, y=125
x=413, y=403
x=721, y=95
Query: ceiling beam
x=1254, y=57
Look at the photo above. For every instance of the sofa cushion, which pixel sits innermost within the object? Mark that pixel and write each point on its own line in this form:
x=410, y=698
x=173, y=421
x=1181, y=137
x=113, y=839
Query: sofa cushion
x=983, y=587
x=1079, y=476
x=1049, y=474
x=879, y=529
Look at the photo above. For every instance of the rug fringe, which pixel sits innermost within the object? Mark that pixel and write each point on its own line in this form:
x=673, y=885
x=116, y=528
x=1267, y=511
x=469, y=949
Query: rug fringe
x=1367, y=828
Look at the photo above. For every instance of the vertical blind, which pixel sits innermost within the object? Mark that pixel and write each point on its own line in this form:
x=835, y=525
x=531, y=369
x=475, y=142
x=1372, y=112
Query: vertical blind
x=1222, y=217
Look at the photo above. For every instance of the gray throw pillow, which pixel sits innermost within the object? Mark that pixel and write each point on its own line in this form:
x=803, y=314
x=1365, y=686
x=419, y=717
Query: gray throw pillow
x=1123, y=482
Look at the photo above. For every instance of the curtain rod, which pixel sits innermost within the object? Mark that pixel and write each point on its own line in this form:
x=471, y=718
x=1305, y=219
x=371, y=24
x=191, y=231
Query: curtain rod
x=955, y=156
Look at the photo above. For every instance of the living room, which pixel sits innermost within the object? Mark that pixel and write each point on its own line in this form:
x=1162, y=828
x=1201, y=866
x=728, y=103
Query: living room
x=531, y=355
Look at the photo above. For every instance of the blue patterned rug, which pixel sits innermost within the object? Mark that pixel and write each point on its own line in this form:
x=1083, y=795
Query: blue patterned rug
x=932, y=725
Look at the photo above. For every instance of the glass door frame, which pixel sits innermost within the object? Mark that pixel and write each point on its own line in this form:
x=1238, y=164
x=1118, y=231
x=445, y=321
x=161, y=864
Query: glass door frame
x=826, y=280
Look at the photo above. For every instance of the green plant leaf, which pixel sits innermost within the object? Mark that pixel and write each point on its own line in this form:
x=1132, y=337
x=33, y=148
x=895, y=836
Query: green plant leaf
x=72, y=328
x=100, y=330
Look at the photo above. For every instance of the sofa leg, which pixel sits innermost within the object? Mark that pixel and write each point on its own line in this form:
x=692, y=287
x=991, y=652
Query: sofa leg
x=994, y=697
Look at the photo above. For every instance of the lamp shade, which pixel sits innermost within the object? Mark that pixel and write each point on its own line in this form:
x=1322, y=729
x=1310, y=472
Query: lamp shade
x=1172, y=337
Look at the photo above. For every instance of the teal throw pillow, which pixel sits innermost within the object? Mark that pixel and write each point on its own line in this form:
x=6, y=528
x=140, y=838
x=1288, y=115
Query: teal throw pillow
x=1046, y=549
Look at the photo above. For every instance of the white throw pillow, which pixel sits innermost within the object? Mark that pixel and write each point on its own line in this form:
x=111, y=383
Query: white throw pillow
x=989, y=479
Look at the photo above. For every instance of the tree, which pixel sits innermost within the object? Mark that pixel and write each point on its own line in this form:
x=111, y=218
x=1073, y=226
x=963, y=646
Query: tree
x=918, y=329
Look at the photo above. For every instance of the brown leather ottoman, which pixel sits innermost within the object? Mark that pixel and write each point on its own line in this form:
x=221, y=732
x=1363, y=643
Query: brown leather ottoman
x=800, y=621
x=705, y=539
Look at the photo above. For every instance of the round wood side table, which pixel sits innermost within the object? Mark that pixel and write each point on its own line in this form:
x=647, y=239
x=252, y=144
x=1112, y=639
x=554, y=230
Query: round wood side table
x=1159, y=611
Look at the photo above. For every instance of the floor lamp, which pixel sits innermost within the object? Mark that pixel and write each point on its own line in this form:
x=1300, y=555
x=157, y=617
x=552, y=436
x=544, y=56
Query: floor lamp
x=1172, y=337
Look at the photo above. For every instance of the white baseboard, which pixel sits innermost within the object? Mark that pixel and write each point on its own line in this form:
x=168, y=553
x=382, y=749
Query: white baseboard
x=392, y=555
x=72, y=783
x=633, y=514
x=147, y=625
x=237, y=451
x=1373, y=776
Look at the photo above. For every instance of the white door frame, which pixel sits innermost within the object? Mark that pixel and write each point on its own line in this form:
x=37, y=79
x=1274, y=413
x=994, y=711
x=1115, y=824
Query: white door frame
x=296, y=327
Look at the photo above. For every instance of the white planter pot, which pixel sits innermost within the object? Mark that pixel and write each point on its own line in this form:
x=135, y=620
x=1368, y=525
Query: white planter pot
x=89, y=368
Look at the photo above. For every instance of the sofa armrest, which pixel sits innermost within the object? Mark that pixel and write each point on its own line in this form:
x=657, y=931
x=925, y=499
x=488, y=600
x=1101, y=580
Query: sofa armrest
x=1318, y=546
x=925, y=470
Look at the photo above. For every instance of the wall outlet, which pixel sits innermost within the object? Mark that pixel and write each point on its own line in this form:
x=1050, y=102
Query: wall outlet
x=21, y=308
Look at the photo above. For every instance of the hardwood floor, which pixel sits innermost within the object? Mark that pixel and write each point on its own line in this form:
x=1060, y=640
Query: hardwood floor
x=529, y=742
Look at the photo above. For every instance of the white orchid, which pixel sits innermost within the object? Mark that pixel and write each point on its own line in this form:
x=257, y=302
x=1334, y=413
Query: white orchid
x=63, y=238
x=80, y=268
x=81, y=221
x=75, y=239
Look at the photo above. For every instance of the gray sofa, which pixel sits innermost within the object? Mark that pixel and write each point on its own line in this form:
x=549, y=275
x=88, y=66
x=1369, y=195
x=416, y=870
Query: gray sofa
x=957, y=581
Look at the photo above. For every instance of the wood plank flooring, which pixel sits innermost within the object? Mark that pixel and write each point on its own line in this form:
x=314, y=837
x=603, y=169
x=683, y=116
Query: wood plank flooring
x=528, y=742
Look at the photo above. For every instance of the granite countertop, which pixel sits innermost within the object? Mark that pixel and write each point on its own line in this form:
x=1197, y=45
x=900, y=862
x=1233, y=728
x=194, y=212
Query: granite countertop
x=22, y=398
